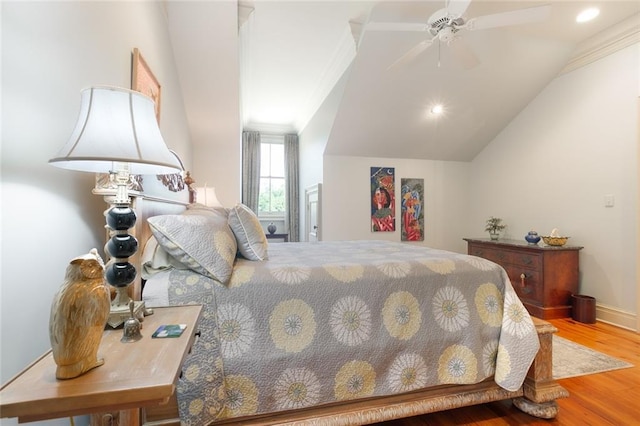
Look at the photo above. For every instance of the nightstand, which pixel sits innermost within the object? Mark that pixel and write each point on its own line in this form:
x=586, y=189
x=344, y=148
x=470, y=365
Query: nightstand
x=134, y=375
x=544, y=277
x=283, y=237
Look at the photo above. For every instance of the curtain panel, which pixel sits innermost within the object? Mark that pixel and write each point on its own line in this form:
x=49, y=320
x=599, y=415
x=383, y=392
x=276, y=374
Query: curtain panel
x=251, y=169
x=291, y=178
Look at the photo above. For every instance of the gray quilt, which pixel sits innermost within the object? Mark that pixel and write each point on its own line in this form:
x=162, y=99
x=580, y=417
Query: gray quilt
x=330, y=321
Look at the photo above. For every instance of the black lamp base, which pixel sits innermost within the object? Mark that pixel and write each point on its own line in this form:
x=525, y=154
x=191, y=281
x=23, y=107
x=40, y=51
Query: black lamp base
x=119, y=272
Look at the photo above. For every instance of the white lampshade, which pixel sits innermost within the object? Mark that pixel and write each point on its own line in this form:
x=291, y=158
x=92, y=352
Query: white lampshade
x=207, y=196
x=116, y=126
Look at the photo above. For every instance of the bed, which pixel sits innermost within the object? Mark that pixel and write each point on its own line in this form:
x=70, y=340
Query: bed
x=335, y=333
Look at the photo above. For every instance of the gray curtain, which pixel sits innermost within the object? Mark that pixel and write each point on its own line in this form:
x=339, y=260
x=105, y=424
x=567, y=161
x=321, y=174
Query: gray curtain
x=292, y=220
x=251, y=169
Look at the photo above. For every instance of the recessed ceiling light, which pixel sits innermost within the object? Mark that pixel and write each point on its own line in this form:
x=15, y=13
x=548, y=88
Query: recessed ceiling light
x=587, y=14
x=437, y=109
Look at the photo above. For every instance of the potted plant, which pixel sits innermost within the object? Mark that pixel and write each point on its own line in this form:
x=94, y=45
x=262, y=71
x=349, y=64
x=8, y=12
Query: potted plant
x=494, y=226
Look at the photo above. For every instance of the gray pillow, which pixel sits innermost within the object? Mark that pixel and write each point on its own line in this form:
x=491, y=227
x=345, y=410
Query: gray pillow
x=203, y=243
x=252, y=243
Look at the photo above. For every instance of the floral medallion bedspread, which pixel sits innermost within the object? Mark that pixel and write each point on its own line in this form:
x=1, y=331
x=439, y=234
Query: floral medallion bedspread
x=330, y=321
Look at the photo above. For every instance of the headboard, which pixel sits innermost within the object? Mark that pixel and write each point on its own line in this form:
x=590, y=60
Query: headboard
x=151, y=195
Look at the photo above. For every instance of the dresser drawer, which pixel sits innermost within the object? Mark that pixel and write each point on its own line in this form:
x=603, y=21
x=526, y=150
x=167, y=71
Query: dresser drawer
x=530, y=288
x=488, y=253
x=504, y=257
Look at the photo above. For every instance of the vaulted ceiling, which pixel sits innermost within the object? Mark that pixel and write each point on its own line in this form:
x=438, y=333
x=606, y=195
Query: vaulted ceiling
x=292, y=54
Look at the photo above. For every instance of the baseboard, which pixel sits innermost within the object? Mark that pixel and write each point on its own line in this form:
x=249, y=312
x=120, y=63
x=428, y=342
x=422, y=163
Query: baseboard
x=616, y=317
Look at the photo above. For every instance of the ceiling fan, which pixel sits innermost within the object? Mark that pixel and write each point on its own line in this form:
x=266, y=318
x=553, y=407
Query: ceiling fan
x=444, y=25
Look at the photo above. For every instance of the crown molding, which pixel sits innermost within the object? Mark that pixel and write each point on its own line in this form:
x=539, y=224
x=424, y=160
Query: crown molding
x=245, y=9
x=270, y=129
x=356, y=31
x=342, y=58
x=624, y=34
x=245, y=25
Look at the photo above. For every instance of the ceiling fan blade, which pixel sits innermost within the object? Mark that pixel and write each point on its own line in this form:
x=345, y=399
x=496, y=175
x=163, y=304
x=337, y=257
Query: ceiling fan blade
x=464, y=54
x=456, y=8
x=395, y=26
x=515, y=17
x=412, y=54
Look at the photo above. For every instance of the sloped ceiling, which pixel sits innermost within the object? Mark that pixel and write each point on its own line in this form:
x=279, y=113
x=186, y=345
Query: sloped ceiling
x=386, y=112
x=292, y=53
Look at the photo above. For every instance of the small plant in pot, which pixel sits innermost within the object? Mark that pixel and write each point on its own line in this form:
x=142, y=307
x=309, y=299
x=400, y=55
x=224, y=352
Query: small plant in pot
x=494, y=226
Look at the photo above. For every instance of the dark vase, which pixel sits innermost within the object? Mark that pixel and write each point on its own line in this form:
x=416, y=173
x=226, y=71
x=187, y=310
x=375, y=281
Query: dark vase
x=532, y=238
x=271, y=228
x=120, y=218
x=120, y=274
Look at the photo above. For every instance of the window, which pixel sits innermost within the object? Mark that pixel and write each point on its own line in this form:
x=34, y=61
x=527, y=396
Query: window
x=272, y=199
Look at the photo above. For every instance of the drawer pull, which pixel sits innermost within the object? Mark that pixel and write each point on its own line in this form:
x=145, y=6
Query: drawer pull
x=527, y=260
x=196, y=337
x=523, y=284
x=107, y=420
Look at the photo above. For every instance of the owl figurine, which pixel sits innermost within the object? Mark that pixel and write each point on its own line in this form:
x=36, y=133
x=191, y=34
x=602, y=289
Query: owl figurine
x=79, y=313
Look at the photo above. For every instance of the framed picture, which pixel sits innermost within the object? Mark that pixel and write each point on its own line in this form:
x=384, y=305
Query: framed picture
x=143, y=80
x=383, y=217
x=412, y=219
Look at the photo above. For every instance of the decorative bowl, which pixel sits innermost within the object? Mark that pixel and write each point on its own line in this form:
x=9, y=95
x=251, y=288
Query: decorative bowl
x=554, y=241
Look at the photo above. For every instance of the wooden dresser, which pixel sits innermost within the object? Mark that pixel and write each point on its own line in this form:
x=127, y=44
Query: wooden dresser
x=544, y=277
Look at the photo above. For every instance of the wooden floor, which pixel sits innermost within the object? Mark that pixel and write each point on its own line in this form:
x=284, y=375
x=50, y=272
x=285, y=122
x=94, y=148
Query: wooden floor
x=610, y=398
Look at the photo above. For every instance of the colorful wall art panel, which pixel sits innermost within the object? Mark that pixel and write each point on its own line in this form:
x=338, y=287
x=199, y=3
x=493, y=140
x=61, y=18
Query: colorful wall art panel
x=412, y=219
x=383, y=216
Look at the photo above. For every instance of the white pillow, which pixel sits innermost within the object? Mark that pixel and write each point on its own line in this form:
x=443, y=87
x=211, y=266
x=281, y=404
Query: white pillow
x=252, y=243
x=203, y=243
x=156, y=259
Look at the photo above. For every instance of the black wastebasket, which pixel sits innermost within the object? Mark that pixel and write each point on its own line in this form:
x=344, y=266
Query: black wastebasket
x=583, y=308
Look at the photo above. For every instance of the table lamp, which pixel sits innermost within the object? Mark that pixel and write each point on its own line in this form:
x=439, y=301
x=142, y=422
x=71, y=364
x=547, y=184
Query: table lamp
x=117, y=133
x=207, y=195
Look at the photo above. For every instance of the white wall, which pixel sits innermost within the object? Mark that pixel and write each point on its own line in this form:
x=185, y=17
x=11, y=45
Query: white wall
x=346, y=210
x=50, y=52
x=554, y=164
x=313, y=141
x=213, y=104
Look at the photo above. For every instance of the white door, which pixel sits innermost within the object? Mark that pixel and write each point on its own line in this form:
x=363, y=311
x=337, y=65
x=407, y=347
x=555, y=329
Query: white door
x=313, y=199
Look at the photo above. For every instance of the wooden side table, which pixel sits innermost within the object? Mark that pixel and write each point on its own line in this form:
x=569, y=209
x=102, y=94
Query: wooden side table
x=134, y=375
x=544, y=277
x=283, y=237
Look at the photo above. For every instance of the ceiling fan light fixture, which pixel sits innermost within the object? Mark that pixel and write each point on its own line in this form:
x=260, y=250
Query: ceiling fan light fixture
x=445, y=24
x=437, y=109
x=446, y=34
x=587, y=15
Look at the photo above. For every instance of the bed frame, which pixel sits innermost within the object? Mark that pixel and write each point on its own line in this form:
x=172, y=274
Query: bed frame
x=536, y=396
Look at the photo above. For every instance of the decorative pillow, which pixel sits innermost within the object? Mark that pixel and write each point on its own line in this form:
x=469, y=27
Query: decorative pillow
x=203, y=243
x=252, y=243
